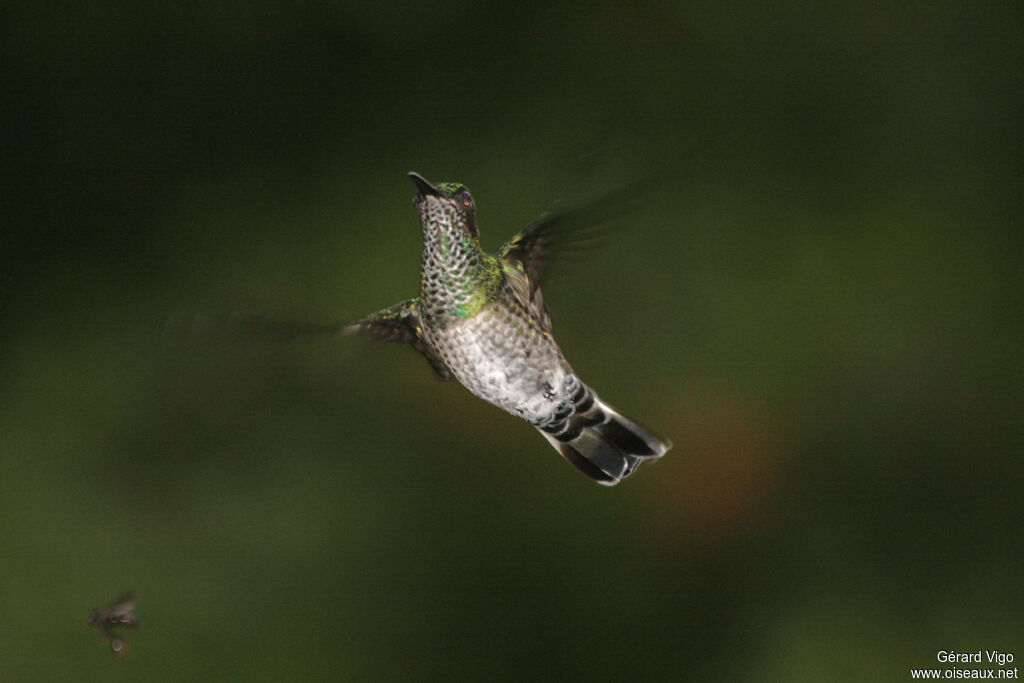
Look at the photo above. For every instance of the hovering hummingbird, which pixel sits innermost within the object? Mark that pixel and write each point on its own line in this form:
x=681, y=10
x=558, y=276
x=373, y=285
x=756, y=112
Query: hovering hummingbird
x=481, y=318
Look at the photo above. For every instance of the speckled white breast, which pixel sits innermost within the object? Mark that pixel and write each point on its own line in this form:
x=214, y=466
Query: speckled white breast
x=506, y=360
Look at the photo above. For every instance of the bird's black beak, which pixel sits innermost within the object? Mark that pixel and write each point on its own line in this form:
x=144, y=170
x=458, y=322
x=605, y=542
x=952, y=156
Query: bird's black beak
x=423, y=186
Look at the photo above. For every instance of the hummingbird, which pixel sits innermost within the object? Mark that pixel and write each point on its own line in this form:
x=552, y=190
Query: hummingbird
x=481, y=318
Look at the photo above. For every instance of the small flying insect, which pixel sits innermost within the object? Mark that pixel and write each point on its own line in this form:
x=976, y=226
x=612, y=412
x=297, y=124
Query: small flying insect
x=118, y=614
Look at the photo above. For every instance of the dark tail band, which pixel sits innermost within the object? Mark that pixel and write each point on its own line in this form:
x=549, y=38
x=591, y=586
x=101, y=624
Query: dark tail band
x=600, y=442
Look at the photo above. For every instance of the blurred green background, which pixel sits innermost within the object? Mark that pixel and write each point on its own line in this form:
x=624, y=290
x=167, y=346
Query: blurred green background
x=821, y=307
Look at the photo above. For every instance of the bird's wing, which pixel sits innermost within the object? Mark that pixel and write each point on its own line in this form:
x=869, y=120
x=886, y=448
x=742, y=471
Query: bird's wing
x=241, y=327
x=526, y=290
x=525, y=256
x=400, y=323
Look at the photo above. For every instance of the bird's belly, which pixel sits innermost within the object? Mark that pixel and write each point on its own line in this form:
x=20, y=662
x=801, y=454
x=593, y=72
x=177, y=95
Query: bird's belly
x=507, y=361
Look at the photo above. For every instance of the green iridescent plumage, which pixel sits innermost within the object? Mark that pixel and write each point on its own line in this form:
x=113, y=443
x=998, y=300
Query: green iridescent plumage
x=450, y=189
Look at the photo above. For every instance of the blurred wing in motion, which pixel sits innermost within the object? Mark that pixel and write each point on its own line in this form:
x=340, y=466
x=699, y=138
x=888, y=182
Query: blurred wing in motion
x=209, y=328
x=400, y=323
x=524, y=257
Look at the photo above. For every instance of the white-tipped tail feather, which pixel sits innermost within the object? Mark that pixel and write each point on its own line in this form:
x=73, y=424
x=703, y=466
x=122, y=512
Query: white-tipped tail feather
x=603, y=444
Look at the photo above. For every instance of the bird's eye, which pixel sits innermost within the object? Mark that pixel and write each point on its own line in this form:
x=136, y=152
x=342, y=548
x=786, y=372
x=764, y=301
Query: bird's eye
x=467, y=201
x=416, y=202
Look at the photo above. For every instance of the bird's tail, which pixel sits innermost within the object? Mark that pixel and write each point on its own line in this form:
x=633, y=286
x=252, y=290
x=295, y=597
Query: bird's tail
x=598, y=440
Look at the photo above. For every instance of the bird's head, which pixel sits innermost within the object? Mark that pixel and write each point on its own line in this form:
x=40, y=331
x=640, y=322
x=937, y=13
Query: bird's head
x=444, y=207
